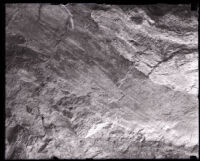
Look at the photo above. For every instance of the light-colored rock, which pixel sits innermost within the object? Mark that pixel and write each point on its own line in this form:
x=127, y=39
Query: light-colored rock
x=122, y=83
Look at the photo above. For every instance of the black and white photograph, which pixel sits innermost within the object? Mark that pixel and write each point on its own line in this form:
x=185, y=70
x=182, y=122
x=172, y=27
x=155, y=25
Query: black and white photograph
x=101, y=81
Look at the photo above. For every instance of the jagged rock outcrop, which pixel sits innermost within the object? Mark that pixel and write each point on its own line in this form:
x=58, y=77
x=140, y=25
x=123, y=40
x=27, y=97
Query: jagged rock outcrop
x=121, y=83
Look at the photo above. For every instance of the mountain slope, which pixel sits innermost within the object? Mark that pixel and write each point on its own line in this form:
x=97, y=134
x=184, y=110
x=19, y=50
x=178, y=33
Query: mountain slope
x=121, y=84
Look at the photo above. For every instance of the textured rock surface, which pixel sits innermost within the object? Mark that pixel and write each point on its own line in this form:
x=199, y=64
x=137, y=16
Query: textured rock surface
x=122, y=84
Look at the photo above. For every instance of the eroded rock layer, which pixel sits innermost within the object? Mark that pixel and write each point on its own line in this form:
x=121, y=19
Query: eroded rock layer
x=101, y=81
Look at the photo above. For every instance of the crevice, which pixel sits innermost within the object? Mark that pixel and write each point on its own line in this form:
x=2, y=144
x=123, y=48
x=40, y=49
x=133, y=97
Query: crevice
x=44, y=145
x=165, y=59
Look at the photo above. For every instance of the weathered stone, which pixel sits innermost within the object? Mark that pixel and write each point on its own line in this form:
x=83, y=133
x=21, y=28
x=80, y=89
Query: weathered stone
x=122, y=83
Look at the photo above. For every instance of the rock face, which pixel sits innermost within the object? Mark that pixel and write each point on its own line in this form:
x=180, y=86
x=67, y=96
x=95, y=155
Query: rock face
x=101, y=81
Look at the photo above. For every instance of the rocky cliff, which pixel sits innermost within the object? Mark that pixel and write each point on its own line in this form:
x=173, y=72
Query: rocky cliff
x=101, y=81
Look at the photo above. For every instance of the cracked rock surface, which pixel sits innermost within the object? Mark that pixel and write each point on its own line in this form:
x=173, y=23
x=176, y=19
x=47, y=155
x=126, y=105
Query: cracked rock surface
x=101, y=81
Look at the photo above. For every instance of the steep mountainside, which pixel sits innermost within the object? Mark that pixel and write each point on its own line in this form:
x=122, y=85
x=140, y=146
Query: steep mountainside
x=101, y=81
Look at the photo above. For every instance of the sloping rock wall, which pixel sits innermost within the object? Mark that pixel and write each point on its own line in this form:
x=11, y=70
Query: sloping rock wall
x=123, y=83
